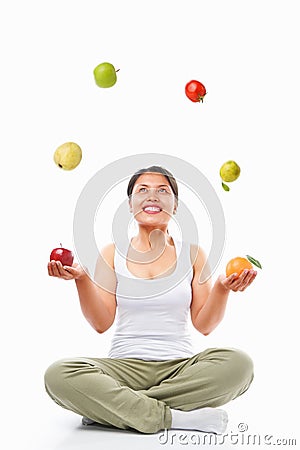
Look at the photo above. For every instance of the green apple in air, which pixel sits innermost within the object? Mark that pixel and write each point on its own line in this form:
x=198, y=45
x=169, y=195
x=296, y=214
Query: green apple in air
x=105, y=75
x=68, y=155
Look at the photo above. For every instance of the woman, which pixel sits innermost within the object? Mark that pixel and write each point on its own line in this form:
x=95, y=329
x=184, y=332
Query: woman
x=152, y=379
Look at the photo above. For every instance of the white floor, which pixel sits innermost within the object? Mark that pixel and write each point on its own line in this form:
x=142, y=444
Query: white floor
x=266, y=416
x=30, y=420
x=250, y=425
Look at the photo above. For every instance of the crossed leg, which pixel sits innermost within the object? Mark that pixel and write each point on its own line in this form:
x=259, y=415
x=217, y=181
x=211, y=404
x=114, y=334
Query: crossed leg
x=114, y=392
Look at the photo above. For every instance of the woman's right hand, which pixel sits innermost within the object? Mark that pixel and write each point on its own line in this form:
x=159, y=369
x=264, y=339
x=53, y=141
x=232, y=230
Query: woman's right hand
x=74, y=272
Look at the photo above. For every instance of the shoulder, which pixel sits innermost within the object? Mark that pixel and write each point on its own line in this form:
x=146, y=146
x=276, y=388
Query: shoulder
x=201, y=266
x=198, y=255
x=108, y=253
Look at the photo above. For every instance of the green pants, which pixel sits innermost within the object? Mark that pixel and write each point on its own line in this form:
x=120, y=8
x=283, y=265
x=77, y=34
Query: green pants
x=136, y=394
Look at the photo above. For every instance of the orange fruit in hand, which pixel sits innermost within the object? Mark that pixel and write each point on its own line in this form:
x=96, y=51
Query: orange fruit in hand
x=237, y=265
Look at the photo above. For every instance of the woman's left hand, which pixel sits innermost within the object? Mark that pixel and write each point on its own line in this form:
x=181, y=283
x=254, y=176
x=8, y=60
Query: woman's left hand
x=240, y=283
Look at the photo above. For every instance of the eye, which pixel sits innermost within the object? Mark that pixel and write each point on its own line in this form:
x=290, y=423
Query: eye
x=142, y=189
x=164, y=190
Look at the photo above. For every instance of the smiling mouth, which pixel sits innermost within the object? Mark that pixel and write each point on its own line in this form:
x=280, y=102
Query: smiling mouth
x=152, y=209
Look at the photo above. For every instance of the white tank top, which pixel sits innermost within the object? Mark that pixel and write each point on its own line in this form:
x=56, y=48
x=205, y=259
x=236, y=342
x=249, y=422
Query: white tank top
x=152, y=314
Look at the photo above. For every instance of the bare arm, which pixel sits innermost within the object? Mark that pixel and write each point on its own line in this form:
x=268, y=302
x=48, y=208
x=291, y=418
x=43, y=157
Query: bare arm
x=212, y=311
x=209, y=302
x=97, y=298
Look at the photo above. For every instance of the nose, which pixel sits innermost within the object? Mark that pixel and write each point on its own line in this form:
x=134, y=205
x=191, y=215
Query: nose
x=152, y=194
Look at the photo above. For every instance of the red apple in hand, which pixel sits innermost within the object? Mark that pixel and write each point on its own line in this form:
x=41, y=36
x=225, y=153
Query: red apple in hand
x=63, y=255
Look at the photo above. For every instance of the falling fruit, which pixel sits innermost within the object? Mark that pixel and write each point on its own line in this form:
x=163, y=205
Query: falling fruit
x=105, y=75
x=230, y=171
x=67, y=156
x=195, y=91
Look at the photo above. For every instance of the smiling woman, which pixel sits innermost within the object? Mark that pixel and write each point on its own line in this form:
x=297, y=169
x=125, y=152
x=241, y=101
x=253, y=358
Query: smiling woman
x=152, y=195
x=152, y=378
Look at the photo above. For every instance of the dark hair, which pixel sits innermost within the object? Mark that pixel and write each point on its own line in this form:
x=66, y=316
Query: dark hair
x=156, y=169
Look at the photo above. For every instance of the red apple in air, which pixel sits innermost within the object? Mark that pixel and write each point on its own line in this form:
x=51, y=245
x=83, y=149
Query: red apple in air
x=63, y=255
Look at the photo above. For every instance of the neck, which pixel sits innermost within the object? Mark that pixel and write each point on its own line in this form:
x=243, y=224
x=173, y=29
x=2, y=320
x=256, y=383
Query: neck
x=148, y=238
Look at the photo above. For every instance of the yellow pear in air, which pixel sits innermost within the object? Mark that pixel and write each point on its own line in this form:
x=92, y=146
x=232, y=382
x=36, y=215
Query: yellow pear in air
x=68, y=155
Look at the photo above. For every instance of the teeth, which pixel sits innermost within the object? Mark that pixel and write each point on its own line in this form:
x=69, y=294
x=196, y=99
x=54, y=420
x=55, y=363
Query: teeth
x=152, y=208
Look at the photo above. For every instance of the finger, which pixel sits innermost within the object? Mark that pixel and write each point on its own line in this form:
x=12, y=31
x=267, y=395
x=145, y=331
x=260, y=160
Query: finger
x=54, y=269
x=63, y=273
x=232, y=277
x=236, y=281
x=60, y=268
x=229, y=280
x=74, y=272
x=69, y=269
x=247, y=274
x=239, y=282
x=69, y=272
x=49, y=269
x=252, y=276
x=249, y=280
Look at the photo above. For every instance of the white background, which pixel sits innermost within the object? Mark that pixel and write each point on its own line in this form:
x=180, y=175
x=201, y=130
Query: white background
x=246, y=54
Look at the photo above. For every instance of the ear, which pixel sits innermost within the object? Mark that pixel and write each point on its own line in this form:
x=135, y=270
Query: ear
x=175, y=208
x=130, y=205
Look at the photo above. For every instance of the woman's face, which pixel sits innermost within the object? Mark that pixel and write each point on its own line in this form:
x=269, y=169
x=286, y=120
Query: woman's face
x=153, y=201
